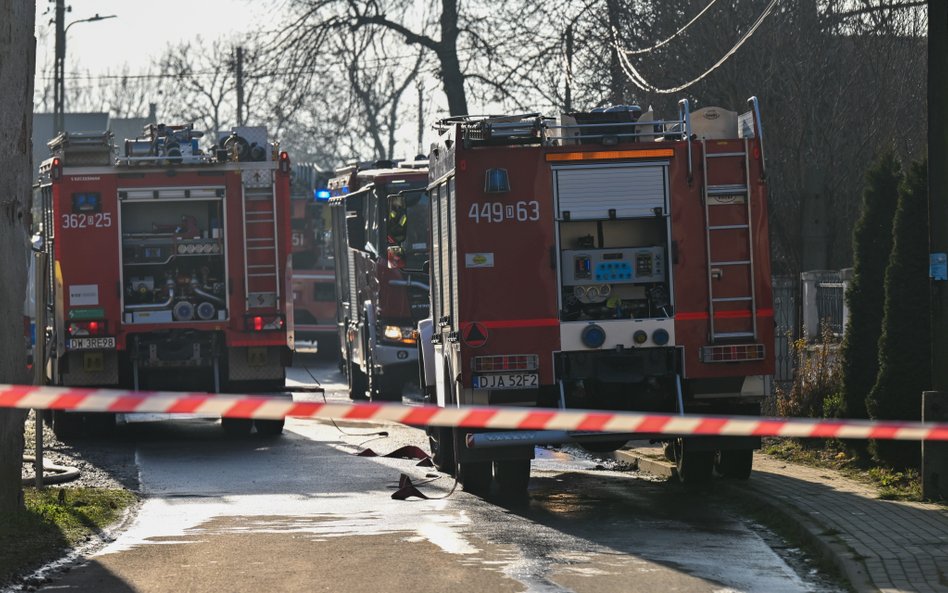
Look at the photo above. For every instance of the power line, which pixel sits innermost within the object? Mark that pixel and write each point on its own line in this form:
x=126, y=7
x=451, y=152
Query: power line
x=639, y=81
x=633, y=52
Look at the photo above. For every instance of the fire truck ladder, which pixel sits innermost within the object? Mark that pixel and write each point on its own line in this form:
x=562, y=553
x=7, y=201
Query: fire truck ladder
x=722, y=234
x=261, y=258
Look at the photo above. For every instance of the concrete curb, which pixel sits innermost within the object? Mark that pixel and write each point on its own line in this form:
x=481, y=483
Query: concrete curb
x=804, y=528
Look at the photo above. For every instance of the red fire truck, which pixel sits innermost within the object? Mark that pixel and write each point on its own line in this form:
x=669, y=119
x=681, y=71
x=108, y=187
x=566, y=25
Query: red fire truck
x=379, y=226
x=168, y=266
x=602, y=260
x=314, y=283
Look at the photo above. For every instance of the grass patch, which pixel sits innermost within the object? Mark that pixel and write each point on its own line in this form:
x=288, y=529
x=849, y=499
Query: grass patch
x=891, y=484
x=55, y=519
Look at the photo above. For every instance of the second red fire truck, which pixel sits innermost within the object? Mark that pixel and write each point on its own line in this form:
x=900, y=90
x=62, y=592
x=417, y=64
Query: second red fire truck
x=379, y=226
x=602, y=260
x=168, y=266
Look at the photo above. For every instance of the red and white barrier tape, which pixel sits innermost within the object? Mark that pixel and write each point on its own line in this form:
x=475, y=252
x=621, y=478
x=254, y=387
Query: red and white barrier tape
x=509, y=418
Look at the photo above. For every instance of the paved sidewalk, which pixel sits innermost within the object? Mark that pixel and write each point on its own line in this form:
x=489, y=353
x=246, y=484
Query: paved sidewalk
x=879, y=545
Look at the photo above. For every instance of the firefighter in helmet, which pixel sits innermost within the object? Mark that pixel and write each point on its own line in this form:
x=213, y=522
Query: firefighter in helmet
x=396, y=229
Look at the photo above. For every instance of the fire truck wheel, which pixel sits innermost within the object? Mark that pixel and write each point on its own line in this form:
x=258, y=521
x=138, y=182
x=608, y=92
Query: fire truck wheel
x=442, y=448
x=735, y=465
x=384, y=390
x=100, y=424
x=67, y=425
x=358, y=383
x=475, y=476
x=236, y=427
x=603, y=446
x=694, y=467
x=269, y=428
x=513, y=477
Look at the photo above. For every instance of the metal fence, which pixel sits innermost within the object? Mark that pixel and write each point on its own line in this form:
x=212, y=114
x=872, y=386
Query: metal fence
x=829, y=303
x=786, y=318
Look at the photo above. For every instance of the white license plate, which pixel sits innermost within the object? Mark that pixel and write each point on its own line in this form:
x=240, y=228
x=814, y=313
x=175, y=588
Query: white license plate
x=506, y=381
x=90, y=343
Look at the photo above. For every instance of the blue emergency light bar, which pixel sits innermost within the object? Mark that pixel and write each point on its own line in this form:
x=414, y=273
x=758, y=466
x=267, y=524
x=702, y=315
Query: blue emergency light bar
x=321, y=195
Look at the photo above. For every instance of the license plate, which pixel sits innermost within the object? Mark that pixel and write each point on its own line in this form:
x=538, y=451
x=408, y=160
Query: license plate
x=90, y=343
x=506, y=381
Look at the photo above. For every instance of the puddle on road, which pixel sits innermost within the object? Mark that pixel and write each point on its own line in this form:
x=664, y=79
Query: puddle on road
x=291, y=562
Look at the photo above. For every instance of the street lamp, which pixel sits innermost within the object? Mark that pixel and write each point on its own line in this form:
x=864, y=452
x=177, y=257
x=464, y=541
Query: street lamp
x=59, y=83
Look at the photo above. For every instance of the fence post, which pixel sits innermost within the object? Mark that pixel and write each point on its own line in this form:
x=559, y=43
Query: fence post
x=934, y=453
x=811, y=313
x=846, y=276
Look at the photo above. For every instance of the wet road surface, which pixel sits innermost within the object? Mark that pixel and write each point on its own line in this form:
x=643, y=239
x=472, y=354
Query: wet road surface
x=304, y=513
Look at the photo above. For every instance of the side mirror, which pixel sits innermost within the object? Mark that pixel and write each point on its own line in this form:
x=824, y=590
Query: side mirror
x=355, y=230
x=426, y=267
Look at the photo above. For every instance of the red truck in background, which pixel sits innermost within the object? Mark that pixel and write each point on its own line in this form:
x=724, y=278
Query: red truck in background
x=168, y=266
x=379, y=226
x=314, y=280
x=601, y=260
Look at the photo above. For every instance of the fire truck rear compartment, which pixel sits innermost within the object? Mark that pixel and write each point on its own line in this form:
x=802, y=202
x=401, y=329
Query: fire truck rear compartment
x=173, y=258
x=636, y=379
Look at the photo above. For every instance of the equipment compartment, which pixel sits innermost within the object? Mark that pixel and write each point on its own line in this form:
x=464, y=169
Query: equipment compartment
x=173, y=261
x=614, y=269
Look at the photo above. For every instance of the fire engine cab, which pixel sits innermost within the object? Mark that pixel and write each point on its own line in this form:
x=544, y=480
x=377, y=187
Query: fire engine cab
x=168, y=265
x=603, y=260
x=379, y=216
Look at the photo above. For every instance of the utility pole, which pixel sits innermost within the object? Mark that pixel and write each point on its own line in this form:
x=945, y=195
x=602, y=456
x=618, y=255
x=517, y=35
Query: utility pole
x=569, y=68
x=59, y=69
x=935, y=402
x=240, y=85
x=421, y=119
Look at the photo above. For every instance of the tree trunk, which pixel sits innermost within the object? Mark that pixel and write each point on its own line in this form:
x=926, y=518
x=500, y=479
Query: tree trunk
x=16, y=119
x=451, y=76
x=616, y=77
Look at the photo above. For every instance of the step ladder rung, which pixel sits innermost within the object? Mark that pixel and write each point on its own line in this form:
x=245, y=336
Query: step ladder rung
x=718, y=155
x=270, y=275
x=742, y=262
x=731, y=299
x=260, y=267
x=732, y=335
x=723, y=190
x=258, y=239
x=267, y=220
x=262, y=248
x=726, y=227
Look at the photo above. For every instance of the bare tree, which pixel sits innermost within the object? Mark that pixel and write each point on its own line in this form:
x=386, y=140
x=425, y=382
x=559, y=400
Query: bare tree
x=17, y=54
x=483, y=50
x=838, y=81
x=198, y=85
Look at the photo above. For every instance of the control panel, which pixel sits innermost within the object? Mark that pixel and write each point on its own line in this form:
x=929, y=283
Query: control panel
x=632, y=265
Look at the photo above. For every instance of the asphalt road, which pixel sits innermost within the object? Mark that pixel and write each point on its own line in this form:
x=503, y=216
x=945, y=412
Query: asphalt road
x=304, y=513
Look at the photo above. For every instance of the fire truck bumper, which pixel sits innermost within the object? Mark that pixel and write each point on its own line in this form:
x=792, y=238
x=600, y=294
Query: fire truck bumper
x=386, y=356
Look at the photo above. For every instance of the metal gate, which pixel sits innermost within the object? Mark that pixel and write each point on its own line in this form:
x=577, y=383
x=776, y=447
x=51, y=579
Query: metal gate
x=786, y=291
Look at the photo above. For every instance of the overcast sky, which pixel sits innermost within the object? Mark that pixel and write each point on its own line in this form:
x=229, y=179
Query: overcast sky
x=142, y=29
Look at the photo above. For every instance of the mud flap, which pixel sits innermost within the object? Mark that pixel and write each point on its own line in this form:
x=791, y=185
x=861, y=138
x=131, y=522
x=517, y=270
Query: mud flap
x=722, y=443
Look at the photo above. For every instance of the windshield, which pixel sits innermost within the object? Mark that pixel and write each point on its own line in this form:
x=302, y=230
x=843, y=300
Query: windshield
x=407, y=229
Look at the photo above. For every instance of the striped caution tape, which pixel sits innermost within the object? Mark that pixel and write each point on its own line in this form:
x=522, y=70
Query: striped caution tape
x=509, y=418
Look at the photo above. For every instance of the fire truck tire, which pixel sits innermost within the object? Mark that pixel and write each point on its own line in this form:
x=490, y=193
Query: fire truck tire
x=67, y=425
x=694, y=467
x=384, y=390
x=100, y=424
x=475, y=476
x=735, y=464
x=513, y=477
x=603, y=446
x=358, y=383
x=442, y=448
x=236, y=427
x=269, y=428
